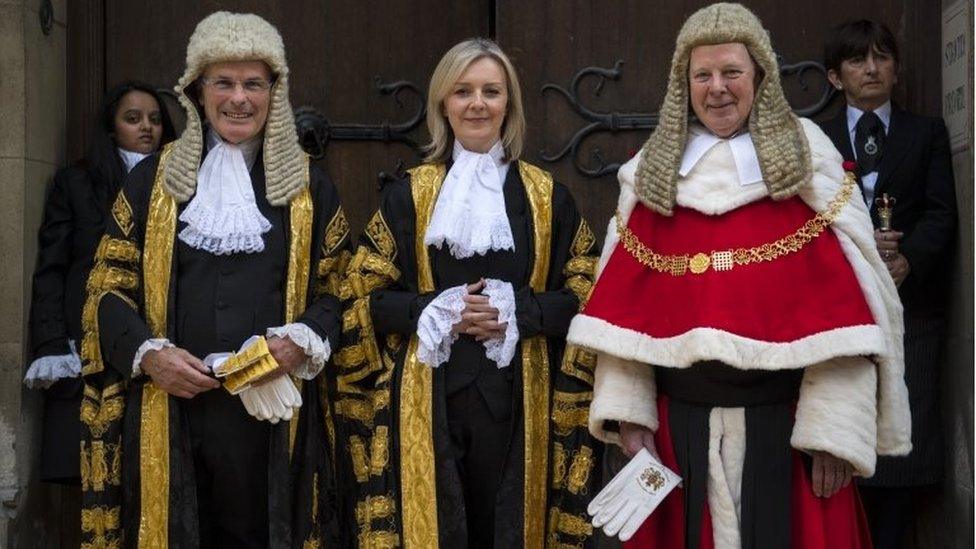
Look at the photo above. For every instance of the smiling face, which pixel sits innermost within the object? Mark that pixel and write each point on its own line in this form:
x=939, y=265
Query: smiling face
x=235, y=98
x=138, y=122
x=476, y=105
x=867, y=81
x=722, y=86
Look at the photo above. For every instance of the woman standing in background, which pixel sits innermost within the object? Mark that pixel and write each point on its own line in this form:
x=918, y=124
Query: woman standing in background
x=132, y=124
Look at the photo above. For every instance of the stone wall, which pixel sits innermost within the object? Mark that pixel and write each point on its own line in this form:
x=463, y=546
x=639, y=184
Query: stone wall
x=32, y=145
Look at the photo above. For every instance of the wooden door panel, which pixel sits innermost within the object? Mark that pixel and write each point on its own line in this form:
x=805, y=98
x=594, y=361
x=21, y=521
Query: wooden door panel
x=336, y=50
x=550, y=40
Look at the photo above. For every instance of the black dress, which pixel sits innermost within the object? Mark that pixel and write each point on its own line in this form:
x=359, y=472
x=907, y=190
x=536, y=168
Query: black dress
x=74, y=220
x=468, y=454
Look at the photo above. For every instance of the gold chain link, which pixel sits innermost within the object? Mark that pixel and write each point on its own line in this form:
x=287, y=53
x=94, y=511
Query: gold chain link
x=725, y=260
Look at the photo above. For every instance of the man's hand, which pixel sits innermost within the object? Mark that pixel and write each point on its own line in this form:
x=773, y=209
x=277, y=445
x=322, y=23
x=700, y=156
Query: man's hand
x=633, y=437
x=898, y=268
x=829, y=474
x=177, y=372
x=287, y=354
x=887, y=243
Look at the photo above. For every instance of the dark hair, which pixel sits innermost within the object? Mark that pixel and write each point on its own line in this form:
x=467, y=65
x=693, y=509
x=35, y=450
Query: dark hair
x=102, y=159
x=854, y=39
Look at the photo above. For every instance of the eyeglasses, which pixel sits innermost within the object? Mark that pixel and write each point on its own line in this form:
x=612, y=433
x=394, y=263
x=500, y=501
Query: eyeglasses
x=254, y=86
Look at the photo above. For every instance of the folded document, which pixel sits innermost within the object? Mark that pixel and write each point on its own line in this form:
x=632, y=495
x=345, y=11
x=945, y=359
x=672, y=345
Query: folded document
x=274, y=400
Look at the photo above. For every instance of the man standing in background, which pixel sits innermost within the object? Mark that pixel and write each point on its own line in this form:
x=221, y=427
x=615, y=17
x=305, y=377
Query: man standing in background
x=904, y=169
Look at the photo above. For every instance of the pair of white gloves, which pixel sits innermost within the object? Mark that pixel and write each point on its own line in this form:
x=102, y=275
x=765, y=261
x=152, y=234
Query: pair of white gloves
x=633, y=494
x=273, y=401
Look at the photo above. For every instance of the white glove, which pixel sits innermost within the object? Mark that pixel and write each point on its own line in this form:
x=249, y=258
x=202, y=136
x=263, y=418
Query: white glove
x=273, y=401
x=631, y=496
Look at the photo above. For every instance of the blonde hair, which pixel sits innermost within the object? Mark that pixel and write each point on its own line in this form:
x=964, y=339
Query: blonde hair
x=448, y=71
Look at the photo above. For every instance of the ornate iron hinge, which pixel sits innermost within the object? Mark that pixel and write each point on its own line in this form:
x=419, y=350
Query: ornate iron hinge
x=614, y=121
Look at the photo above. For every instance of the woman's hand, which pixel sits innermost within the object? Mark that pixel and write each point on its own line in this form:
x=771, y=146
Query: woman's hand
x=829, y=474
x=633, y=437
x=479, y=318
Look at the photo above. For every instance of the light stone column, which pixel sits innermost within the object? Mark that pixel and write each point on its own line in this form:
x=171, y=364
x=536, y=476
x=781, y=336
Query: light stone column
x=32, y=145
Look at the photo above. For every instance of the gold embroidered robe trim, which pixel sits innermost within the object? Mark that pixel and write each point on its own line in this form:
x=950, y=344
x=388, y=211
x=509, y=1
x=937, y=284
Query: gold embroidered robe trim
x=535, y=363
x=301, y=214
x=418, y=484
x=154, y=427
x=122, y=214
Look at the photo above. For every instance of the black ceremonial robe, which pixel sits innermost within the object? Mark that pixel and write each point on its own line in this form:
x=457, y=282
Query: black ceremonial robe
x=140, y=453
x=391, y=410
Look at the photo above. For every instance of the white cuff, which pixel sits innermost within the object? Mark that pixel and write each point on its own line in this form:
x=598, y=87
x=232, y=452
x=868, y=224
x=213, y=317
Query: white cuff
x=435, y=323
x=501, y=296
x=45, y=370
x=148, y=345
x=837, y=412
x=623, y=390
x=316, y=349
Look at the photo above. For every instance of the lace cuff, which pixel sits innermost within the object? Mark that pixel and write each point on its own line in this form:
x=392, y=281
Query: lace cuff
x=148, y=345
x=45, y=370
x=435, y=323
x=316, y=349
x=501, y=296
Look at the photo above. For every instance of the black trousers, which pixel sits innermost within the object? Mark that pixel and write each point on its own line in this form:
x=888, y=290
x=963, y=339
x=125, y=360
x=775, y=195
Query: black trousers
x=230, y=459
x=889, y=512
x=479, y=447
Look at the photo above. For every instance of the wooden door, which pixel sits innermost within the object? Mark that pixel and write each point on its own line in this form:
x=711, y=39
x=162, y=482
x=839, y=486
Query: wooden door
x=339, y=51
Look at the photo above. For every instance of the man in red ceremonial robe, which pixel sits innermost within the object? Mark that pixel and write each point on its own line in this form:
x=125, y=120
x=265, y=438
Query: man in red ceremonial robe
x=747, y=330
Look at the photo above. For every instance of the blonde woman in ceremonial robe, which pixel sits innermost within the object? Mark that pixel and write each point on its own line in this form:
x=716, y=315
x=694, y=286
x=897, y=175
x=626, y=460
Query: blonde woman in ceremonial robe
x=464, y=419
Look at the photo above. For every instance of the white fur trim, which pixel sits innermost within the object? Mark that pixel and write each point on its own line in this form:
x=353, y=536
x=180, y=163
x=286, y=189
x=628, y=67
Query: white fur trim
x=701, y=344
x=855, y=234
x=623, y=390
x=317, y=350
x=837, y=413
x=726, y=456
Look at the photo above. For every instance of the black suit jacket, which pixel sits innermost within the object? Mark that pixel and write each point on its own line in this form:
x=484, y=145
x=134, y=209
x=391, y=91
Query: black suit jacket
x=916, y=169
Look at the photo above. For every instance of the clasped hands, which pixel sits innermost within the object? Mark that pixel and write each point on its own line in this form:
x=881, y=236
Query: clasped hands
x=887, y=243
x=479, y=318
x=183, y=375
x=829, y=474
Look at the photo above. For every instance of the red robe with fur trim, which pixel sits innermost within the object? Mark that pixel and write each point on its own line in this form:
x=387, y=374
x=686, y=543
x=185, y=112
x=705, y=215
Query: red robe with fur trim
x=829, y=308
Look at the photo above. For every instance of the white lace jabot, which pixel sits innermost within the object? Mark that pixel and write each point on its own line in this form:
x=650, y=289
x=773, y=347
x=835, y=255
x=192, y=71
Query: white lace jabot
x=470, y=212
x=223, y=218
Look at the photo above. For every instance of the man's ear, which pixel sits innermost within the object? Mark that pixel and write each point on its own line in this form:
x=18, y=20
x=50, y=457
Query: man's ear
x=834, y=79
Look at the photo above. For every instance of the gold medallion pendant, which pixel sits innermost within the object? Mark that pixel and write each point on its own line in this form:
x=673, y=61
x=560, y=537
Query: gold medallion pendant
x=699, y=263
